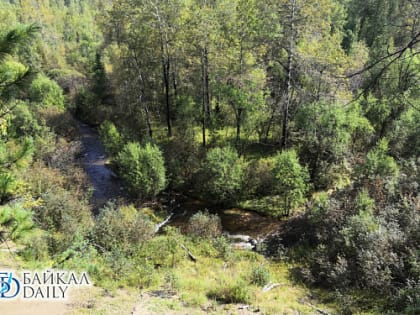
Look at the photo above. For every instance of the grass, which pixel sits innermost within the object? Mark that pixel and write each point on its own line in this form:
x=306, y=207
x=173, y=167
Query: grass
x=213, y=279
x=209, y=286
x=269, y=205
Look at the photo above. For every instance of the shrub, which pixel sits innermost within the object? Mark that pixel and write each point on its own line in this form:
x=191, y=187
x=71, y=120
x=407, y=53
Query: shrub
x=36, y=246
x=291, y=180
x=204, y=224
x=259, y=178
x=224, y=172
x=61, y=122
x=124, y=228
x=172, y=281
x=260, y=275
x=47, y=92
x=142, y=169
x=64, y=216
x=89, y=108
x=378, y=163
x=24, y=122
x=224, y=247
x=110, y=137
x=182, y=160
x=327, y=130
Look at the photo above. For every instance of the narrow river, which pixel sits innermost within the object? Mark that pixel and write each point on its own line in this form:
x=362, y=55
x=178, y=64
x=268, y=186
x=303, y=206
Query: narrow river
x=238, y=223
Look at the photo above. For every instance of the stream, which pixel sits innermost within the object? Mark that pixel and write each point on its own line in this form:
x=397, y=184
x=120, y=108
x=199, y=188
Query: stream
x=106, y=185
x=244, y=227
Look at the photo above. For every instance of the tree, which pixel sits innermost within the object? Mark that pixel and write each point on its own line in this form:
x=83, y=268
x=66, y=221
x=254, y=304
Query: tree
x=327, y=132
x=291, y=180
x=14, y=79
x=245, y=79
x=142, y=169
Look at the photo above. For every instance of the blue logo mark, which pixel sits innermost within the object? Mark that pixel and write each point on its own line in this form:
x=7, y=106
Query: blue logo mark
x=9, y=286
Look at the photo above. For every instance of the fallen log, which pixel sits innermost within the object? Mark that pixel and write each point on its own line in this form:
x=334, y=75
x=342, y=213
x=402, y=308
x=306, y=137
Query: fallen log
x=192, y=257
x=270, y=286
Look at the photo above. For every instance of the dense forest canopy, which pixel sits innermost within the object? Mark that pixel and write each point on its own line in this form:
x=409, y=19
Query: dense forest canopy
x=307, y=112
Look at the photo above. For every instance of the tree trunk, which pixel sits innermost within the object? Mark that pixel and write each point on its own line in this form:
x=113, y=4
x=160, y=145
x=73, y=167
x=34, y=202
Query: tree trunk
x=166, y=67
x=206, y=83
x=238, y=125
x=290, y=48
x=204, y=94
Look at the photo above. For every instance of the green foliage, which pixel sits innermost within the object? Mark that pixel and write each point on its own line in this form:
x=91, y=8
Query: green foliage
x=13, y=156
x=8, y=186
x=172, y=281
x=46, y=92
x=291, y=180
x=20, y=35
x=379, y=163
x=89, y=108
x=360, y=244
x=15, y=222
x=124, y=228
x=405, y=140
x=36, y=246
x=328, y=130
x=224, y=174
x=260, y=275
x=259, y=177
x=64, y=216
x=100, y=85
x=24, y=122
x=142, y=169
x=182, y=157
x=110, y=137
x=231, y=291
x=205, y=225
x=224, y=248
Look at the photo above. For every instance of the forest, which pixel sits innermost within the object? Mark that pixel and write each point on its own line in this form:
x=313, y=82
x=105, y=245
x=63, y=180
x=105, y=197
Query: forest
x=214, y=156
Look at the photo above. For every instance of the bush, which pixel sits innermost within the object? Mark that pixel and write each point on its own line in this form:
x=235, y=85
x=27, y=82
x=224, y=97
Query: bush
x=110, y=137
x=327, y=130
x=291, y=180
x=378, y=163
x=260, y=275
x=89, y=108
x=64, y=216
x=182, y=160
x=224, y=175
x=61, y=122
x=172, y=281
x=24, y=122
x=260, y=180
x=142, y=169
x=224, y=248
x=46, y=92
x=36, y=246
x=204, y=224
x=124, y=228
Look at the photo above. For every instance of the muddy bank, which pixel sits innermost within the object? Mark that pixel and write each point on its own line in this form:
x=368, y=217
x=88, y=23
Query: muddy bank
x=234, y=221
